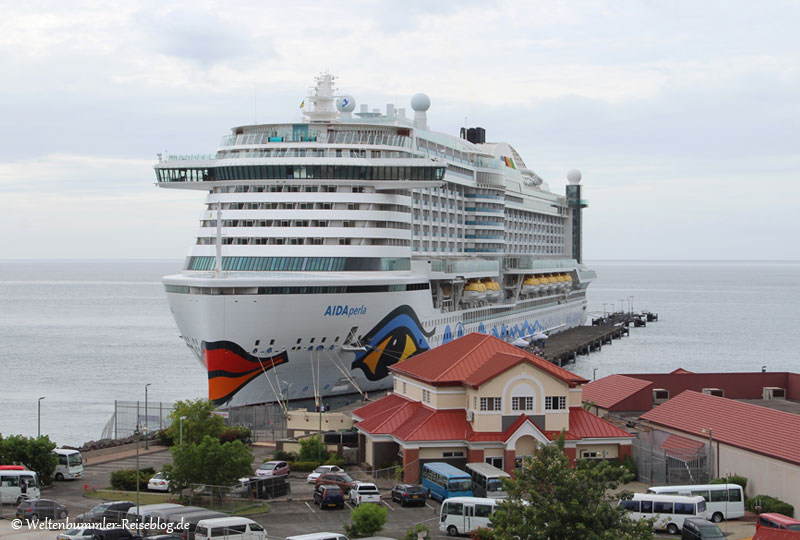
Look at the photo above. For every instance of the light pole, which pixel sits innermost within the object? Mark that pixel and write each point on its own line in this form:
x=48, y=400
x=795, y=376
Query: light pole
x=39, y=418
x=146, y=431
x=631, y=304
x=594, y=374
x=180, y=428
x=621, y=308
x=136, y=433
x=604, y=309
x=710, y=453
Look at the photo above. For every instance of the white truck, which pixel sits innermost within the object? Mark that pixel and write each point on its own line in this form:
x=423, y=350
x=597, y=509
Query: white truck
x=364, y=492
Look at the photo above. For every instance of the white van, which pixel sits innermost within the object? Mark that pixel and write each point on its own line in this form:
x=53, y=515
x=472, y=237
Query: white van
x=723, y=501
x=17, y=483
x=229, y=528
x=460, y=515
x=70, y=464
x=141, y=513
x=318, y=536
x=669, y=511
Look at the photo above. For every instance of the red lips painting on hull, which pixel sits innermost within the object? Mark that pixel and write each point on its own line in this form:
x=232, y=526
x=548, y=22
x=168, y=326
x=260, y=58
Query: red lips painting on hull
x=230, y=368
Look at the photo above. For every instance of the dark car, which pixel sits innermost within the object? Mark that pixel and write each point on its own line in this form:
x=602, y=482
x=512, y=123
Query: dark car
x=34, y=509
x=110, y=512
x=328, y=496
x=699, y=528
x=115, y=534
x=408, y=494
x=343, y=480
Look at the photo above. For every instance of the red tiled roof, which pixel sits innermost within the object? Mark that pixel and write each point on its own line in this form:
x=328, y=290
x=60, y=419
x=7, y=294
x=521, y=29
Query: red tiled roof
x=681, y=446
x=751, y=427
x=585, y=425
x=609, y=391
x=411, y=421
x=681, y=371
x=474, y=359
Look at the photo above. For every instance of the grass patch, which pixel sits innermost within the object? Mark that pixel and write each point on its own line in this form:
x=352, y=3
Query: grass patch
x=145, y=497
x=252, y=509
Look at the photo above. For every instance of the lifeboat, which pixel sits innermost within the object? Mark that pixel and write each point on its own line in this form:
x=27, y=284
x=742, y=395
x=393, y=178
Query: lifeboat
x=551, y=283
x=562, y=281
x=492, y=289
x=474, y=290
x=530, y=285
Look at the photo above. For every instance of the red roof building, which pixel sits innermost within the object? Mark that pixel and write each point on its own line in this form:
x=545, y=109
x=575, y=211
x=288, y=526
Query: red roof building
x=760, y=443
x=479, y=398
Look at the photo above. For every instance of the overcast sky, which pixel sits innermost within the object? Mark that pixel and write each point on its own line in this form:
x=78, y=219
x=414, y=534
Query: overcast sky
x=683, y=116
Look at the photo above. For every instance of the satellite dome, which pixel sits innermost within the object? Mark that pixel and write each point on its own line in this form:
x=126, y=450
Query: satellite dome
x=420, y=102
x=574, y=176
x=346, y=103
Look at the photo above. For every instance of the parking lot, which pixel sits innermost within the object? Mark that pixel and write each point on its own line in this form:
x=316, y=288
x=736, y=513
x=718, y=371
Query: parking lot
x=288, y=516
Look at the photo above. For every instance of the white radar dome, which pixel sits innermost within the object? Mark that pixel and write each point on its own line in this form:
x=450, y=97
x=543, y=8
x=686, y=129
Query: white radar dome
x=346, y=104
x=420, y=102
x=574, y=176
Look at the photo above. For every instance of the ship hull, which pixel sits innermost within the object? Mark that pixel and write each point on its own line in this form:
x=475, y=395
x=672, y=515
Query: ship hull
x=262, y=348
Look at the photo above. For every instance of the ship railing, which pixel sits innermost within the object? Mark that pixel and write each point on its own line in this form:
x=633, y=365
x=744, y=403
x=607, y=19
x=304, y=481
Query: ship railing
x=335, y=137
x=189, y=157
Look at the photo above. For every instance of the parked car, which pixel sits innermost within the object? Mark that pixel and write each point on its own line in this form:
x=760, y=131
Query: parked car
x=158, y=482
x=273, y=468
x=318, y=536
x=115, y=534
x=408, y=494
x=112, y=512
x=341, y=479
x=328, y=496
x=34, y=509
x=699, y=529
x=78, y=533
x=322, y=469
x=365, y=492
x=777, y=521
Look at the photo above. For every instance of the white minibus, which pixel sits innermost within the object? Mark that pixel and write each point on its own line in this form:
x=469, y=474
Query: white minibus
x=460, y=515
x=669, y=511
x=318, y=536
x=17, y=483
x=723, y=501
x=70, y=464
x=229, y=528
x=487, y=480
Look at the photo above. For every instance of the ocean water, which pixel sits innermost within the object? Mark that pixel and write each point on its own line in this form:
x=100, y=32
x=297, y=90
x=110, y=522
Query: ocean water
x=84, y=333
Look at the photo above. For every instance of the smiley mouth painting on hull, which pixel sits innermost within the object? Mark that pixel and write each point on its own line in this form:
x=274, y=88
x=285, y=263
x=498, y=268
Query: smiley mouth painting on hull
x=230, y=368
x=396, y=337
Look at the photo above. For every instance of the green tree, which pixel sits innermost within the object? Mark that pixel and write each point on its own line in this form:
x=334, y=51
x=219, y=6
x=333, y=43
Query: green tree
x=211, y=463
x=413, y=532
x=550, y=500
x=198, y=423
x=36, y=453
x=366, y=520
x=311, y=448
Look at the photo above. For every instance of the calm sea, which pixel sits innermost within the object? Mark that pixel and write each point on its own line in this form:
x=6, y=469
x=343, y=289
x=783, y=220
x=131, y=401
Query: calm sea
x=84, y=333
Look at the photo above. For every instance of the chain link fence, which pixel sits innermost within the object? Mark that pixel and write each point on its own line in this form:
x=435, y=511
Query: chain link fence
x=658, y=466
x=267, y=422
x=127, y=415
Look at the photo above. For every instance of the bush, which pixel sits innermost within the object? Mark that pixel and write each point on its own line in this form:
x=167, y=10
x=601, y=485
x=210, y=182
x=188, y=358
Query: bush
x=481, y=533
x=164, y=438
x=304, y=466
x=235, y=433
x=413, y=533
x=125, y=479
x=280, y=455
x=735, y=479
x=312, y=448
x=335, y=459
x=769, y=504
x=366, y=520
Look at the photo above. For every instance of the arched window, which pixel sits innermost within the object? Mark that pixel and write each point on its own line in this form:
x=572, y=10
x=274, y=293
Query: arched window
x=523, y=398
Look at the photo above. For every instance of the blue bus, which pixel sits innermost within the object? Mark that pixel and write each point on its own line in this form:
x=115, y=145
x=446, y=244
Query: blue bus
x=442, y=481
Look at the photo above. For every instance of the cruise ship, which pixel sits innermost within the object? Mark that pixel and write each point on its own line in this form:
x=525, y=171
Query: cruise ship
x=331, y=247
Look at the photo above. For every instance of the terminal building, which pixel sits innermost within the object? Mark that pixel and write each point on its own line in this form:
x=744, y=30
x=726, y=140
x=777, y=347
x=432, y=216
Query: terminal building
x=480, y=399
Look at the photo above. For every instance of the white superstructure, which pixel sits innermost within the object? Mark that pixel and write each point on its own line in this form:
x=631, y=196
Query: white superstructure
x=332, y=248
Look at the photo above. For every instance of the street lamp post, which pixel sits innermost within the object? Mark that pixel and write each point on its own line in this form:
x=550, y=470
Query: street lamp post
x=180, y=429
x=39, y=417
x=604, y=309
x=631, y=304
x=594, y=374
x=146, y=431
x=136, y=433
